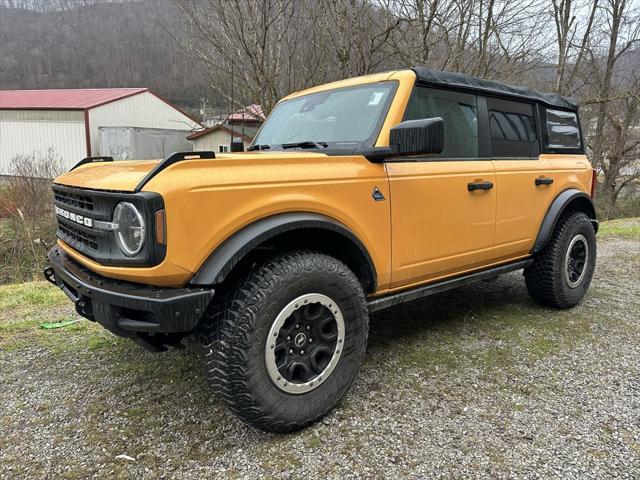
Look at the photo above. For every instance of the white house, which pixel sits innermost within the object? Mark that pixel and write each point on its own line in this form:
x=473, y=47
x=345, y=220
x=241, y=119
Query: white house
x=241, y=125
x=68, y=122
x=218, y=138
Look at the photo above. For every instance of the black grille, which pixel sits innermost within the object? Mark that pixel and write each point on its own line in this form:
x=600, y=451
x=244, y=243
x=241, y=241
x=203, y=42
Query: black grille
x=97, y=206
x=74, y=200
x=75, y=236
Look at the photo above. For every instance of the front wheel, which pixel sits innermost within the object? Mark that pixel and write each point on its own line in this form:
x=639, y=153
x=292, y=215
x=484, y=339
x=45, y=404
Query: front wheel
x=560, y=275
x=286, y=347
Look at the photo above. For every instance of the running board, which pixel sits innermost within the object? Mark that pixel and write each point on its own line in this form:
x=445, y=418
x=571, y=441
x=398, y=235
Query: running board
x=444, y=285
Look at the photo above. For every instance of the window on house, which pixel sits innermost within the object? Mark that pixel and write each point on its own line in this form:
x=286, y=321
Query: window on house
x=223, y=149
x=460, y=114
x=563, y=130
x=513, y=129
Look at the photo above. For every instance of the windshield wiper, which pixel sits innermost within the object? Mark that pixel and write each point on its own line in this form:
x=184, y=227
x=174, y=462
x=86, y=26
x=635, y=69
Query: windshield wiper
x=305, y=144
x=259, y=146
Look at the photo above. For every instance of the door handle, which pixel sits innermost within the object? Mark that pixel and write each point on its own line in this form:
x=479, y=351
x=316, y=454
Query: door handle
x=479, y=186
x=544, y=181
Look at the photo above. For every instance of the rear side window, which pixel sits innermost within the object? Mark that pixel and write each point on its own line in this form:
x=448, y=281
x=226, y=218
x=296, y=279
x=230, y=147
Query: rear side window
x=563, y=130
x=460, y=114
x=513, y=129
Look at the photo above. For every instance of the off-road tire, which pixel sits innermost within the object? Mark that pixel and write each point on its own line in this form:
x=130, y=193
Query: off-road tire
x=234, y=334
x=545, y=278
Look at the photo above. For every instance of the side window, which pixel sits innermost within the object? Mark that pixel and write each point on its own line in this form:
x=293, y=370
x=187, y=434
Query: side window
x=513, y=129
x=563, y=130
x=460, y=114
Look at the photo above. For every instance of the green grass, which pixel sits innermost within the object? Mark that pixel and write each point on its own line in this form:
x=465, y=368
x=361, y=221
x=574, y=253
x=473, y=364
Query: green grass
x=497, y=339
x=24, y=306
x=624, y=227
x=32, y=295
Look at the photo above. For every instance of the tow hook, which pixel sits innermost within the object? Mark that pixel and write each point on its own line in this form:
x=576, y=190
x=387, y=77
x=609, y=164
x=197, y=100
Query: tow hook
x=50, y=276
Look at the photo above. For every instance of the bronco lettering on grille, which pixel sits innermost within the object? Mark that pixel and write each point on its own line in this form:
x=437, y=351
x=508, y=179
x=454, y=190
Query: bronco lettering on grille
x=74, y=217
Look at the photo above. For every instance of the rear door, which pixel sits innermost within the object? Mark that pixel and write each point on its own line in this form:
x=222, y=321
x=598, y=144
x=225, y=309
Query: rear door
x=525, y=185
x=442, y=206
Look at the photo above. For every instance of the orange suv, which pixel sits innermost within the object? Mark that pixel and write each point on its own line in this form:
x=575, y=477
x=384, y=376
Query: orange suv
x=354, y=196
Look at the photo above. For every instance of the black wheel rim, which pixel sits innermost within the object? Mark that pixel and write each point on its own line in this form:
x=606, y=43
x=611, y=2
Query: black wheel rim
x=304, y=343
x=576, y=260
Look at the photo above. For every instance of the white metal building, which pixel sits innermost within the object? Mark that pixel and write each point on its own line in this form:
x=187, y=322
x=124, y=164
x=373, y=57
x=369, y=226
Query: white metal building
x=67, y=122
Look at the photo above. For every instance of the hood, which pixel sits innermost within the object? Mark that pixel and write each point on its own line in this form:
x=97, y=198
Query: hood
x=119, y=175
x=124, y=175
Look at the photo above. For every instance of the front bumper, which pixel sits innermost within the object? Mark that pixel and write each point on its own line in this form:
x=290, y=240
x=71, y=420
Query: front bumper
x=127, y=309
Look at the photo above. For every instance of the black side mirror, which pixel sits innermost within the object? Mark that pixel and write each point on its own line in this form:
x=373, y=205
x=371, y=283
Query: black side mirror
x=418, y=137
x=412, y=137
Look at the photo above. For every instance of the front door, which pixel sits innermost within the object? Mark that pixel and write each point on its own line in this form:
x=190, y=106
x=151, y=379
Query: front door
x=442, y=206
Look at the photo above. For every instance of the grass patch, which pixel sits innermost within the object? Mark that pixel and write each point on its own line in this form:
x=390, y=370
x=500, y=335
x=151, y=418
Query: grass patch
x=624, y=227
x=496, y=338
x=24, y=306
x=96, y=342
x=136, y=412
x=31, y=295
x=314, y=442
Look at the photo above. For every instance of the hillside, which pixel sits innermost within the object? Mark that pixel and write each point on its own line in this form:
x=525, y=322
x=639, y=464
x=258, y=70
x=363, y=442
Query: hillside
x=123, y=44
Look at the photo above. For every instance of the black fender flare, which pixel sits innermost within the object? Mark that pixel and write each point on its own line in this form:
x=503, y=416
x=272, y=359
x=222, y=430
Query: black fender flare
x=226, y=256
x=557, y=207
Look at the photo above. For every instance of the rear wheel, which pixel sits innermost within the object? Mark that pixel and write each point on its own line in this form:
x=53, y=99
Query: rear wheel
x=561, y=274
x=287, y=344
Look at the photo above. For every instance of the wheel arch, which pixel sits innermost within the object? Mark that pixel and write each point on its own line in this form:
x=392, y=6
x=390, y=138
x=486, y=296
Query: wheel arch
x=287, y=231
x=568, y=200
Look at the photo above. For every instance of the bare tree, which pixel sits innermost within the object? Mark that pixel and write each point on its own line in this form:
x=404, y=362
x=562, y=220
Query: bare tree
x=359, y=33
x=268, y=48
x=613, y=102
x=618, y=147
x=489, y=38
x=254, y=50
x=571, y=43
x=422, y=19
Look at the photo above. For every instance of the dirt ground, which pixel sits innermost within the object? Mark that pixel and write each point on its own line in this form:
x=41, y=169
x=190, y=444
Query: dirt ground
x=478, y=382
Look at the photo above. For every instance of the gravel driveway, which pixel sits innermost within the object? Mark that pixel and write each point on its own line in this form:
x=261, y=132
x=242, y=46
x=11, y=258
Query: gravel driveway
x=475, y=383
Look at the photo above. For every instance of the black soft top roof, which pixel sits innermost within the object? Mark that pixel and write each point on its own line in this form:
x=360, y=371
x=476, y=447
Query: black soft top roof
x=467, y=82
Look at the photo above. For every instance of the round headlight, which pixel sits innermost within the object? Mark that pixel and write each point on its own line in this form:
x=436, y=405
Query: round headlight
x=130, y=230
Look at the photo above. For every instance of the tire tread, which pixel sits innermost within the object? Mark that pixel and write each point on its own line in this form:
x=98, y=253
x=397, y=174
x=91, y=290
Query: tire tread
x=544, y=277
x=227, y=329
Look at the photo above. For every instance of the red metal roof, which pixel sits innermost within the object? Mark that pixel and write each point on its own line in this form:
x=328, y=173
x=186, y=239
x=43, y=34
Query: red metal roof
x=72, y=99
x=236, y=131
x=249, y=113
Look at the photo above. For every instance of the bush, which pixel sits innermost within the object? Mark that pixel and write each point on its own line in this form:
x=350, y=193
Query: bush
x=27, y=221
x=627, y=204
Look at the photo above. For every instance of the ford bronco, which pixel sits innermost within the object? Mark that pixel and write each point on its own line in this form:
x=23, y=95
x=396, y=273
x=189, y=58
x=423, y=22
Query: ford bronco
x=353, y=197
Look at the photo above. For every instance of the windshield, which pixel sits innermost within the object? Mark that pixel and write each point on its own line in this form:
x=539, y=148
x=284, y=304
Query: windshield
x=339, y=118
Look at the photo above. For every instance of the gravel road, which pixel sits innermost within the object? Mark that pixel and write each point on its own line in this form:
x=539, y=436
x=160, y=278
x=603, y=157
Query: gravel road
x=475, y=383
